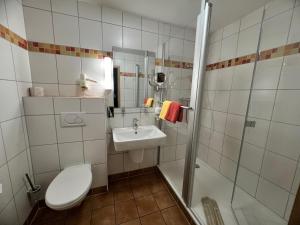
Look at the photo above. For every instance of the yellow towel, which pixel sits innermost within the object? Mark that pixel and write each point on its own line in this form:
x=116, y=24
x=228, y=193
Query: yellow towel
x=164, y=109
x=149, y=102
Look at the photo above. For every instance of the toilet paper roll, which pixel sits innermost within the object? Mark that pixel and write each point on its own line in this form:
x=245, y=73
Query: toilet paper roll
x=37, y=91
x=157, y=110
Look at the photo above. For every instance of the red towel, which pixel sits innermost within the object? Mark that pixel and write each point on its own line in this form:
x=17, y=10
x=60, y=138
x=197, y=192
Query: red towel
x=174, y=111
x=145, y=100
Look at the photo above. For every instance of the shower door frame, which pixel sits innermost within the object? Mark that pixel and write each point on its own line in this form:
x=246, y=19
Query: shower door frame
x=194, y=115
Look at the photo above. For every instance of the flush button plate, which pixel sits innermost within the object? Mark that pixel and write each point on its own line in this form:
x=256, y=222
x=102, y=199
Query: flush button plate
x=72, y=119
x=250, y=123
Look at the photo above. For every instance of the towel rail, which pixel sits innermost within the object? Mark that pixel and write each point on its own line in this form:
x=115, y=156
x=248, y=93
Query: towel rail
x=186, y=107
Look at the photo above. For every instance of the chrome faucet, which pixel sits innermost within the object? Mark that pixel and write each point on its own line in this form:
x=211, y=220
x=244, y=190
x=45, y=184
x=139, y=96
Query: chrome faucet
x=135, y=124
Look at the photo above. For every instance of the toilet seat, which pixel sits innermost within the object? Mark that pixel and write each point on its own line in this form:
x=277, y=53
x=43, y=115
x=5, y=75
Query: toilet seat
x=69, y=187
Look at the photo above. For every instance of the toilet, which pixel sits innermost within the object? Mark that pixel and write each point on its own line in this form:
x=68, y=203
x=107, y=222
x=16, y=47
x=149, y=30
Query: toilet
x=69, y=187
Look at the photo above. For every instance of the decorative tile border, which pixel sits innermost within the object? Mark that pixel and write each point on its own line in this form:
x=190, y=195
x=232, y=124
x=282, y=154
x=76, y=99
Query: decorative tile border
x=66, y=50
x=12, y=37
x=174, y=64
x=126, y=74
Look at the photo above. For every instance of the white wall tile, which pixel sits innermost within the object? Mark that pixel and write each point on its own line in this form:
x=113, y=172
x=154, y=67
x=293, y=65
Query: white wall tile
x=290, y=68
x=6, y=194
x=9, y=214
x=90, y=34
x=177, y=31
x=95, y=127
x=21, y=62
x=242, y=76
x=112, y=16
x=247, y=181
x=216, y=35
x=261, y=104
x=9, y=98
x=168, y=154
x=49, y=89
x=267, y=74
x=289, y=207
x=2, y=151
x=228, y=168
x=190, y=34
x=132, y=38
x=279, y=170
x=66, y=105
x=128, y=118
x=89, y=10
x=287, y=99
x=272, y=196
x=251, y=157
x=294, y=34
x=38, y=25
x=45, y=158
x=41, y=130
x=276, y=7
x=70, y=154
x=93, y=105
x=284, y=139
x=180, y=152
x=115, y=163
x=176, y=49
x=251, y=19
x=234, y=125
x=221, y=101
x=149, y=41
x=7, y=67
x=273, y=35
x=66, y=7
x=224, y=79
x=3, y=18
x=93, y=68
x=149, y=25
x=214, y=159
x=18, y=166
x=67, y=134
x=13, y=137
x=231, y=29
x=229, y=47
x=23, y=205
x=95, y=151
x=231, y=148
x=164, y=28
x=40, y=4
x=257, y=135
x=15, y=17
x=69, y=69
x=148, y=159
x=248, y=40
x=43, y=68
x=188, y=51
x=66, y=31
x=219, y=121
x=238, y=102
x=214, y=52
x=100, y=175
x=132, y=21
x=38, y=105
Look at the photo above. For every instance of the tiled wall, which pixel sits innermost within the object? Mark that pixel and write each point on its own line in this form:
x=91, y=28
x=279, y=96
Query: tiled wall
x=91, y=26
x=54, y=147
x=15, y=78
x=269, y=169
x=119, y=162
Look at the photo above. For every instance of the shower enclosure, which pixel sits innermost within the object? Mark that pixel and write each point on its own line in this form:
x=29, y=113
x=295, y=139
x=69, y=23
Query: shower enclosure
x=240, y=144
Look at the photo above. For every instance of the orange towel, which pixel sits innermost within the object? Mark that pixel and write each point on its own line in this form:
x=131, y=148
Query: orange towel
x=173, y=112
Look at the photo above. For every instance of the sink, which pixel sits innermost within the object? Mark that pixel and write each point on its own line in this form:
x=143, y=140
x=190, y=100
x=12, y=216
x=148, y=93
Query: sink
x=127, y=139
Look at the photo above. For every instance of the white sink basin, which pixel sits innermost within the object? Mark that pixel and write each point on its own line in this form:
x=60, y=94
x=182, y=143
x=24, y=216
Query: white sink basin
x=125, y=139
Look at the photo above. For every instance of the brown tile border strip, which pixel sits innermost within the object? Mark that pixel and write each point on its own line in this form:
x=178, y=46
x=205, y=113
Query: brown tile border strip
x=174, y=64
x=12, y=37
x=126, y=74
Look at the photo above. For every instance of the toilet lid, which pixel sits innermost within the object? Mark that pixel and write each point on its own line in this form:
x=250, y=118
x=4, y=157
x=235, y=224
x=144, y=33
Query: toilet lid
x=69, y=186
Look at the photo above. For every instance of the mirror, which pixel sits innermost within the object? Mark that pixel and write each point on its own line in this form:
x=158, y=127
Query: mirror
x=133, y=74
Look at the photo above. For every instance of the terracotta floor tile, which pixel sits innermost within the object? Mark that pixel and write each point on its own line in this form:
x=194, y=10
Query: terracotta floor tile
x=164, y=199
x=141, y=190
x=117, y=185
x=47, y=215
x=125, y=211
x=132, y=222
x=102, y=200
x=124, y=194
x=103, y=216
x=78, y=219
x=154, y=218
x=146, y=205
x=174, y=216
x=157, y=185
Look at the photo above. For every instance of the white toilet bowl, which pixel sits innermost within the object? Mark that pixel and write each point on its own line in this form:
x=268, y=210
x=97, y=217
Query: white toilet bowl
x=69, y=187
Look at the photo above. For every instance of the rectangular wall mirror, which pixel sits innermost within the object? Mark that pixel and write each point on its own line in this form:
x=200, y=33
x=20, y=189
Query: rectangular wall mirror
x=133, y=69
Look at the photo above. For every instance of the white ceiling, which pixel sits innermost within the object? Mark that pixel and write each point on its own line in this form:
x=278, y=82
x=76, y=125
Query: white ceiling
x=184, y=12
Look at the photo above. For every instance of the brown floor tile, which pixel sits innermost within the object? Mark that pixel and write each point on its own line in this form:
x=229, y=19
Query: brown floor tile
x=125, y=211
x=119, y=185
x=101, y=200
x=132, y=222
x=84, y=208
x=146, y=205
x=164, y=199
x=48, y=216
x=157, y=185
x=154, y=218
x=141, y=190
x=104, y=216
x=174, y=216
x=124, y=194
x=78, y=219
